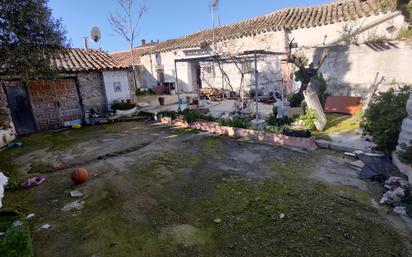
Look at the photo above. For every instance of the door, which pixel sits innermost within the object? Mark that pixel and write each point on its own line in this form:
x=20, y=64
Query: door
x=198, y=75
x=55, y=103
x=20, y=108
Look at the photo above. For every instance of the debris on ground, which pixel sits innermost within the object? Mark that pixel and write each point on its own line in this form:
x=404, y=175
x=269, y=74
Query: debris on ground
x=401, y=210
x=217, y=220
x=17, y=223
x=11, y=145
x=393, y=198
x=396, y=182
x=3, y=183
x=357, y=165
x=57, y=166
x=377, y=168
x=45, y=226
x=76, y=205
x=2, y=233
x=35, y=181
x=76, y=194
x=396, y=195
x=30, y=216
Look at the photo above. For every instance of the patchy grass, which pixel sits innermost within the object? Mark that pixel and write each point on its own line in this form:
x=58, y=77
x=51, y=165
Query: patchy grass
x=339, y=123
x=198, y=195
x=296, y=219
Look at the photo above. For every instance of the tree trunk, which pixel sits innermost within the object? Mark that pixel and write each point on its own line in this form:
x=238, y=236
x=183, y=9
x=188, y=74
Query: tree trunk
x=133, y=68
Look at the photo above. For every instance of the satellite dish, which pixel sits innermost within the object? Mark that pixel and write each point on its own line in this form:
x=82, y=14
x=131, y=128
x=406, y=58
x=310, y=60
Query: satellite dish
x=95, y=34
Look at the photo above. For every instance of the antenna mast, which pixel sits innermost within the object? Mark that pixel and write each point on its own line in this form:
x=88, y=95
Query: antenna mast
x=214, y=6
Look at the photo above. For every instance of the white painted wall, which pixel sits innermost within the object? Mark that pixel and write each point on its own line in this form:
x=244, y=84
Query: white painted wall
x=112, y=78
x=374, y=26
x=350, y=70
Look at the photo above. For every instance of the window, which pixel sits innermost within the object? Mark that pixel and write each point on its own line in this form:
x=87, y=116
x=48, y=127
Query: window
x=117, y=87
x=247, y=67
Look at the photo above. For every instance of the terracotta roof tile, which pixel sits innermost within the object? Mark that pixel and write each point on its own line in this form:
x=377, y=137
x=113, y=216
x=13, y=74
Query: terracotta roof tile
x=123, y=57
x=292, y=18
x=76, y=59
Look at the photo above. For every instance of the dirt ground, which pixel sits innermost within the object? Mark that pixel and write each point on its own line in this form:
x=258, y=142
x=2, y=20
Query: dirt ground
x=161, y=191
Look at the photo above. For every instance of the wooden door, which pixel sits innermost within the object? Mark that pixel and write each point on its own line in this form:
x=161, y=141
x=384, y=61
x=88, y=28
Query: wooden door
x=20, y=108
x=54, y=103
x=67, y=101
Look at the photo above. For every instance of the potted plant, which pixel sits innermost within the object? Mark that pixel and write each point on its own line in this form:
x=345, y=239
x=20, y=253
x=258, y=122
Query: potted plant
x=162, y=100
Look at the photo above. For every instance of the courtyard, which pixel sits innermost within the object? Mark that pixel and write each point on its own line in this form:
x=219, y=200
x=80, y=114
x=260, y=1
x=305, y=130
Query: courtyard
x=155, y=190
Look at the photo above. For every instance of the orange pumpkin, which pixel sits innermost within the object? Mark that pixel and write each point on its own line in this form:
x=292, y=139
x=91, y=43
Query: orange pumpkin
x=80, y=175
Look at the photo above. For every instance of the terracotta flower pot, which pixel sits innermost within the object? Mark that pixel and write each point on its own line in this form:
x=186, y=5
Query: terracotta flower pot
x=161, y=100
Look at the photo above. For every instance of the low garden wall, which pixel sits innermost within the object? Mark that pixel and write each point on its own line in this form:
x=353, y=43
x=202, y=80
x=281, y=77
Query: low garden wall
x=261, y=136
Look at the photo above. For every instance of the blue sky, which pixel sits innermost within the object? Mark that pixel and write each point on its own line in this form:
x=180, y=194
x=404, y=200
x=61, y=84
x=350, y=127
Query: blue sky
x=166, y=19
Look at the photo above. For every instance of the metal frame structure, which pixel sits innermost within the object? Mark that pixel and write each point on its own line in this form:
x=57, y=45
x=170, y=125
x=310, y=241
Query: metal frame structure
x=246, y=56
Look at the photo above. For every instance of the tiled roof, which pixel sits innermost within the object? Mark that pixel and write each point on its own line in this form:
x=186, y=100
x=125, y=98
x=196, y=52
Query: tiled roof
x=123, y=57
x=77, y=60
x=291, y=18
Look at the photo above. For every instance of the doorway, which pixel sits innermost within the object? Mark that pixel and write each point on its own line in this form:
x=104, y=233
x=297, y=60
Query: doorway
x=21, y=111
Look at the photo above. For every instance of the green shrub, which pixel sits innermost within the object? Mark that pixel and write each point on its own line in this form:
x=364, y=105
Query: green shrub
x=405, y=155
x=190, y=116
x=322, y=89
x=276, y=129
x=405, y=33
x=274, y=121
x=123, y=106
x=16, y=242
x=170, y=114
x=383, y=118
x=309, y=119
x=236, y=122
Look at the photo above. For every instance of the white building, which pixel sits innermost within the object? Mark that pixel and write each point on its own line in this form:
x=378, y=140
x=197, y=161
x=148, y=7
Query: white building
x=358, y=32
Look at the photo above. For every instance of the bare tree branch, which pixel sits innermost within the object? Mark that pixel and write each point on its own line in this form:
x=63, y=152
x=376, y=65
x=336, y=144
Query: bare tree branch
x=125, y=24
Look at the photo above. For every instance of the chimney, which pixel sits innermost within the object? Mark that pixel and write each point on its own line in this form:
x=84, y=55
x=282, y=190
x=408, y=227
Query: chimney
x=143, y=42
x=86, y=43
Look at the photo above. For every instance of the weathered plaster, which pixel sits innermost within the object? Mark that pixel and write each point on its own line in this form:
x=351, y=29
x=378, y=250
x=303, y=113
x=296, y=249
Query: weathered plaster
x=91, y=89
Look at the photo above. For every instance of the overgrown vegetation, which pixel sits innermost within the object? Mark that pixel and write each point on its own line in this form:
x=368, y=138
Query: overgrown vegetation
x=190, y=116
x=323, y=86
x=236, y=122
x=405, y=154
x=123, y=106
x=309, y=119
x=388, y=4
x=383, y=118
x=405, y=33
x=170, y=114
x=16, y=242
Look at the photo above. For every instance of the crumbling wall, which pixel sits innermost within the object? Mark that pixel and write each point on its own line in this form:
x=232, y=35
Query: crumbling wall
x=91, y=89
x=7, y=131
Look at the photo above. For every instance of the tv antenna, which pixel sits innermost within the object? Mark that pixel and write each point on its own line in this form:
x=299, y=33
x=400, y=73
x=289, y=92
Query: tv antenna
x=215, y=3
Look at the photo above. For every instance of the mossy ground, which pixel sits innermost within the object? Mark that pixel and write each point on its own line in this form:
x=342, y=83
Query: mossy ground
x=188, y=194
x=339, y=123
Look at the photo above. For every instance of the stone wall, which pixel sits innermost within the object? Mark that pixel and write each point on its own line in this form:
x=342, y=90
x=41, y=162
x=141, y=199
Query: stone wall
x=7, y=131
x=92, y=92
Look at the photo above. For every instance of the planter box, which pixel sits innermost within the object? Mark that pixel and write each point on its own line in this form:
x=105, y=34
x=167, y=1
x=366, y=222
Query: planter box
x=261, y=136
